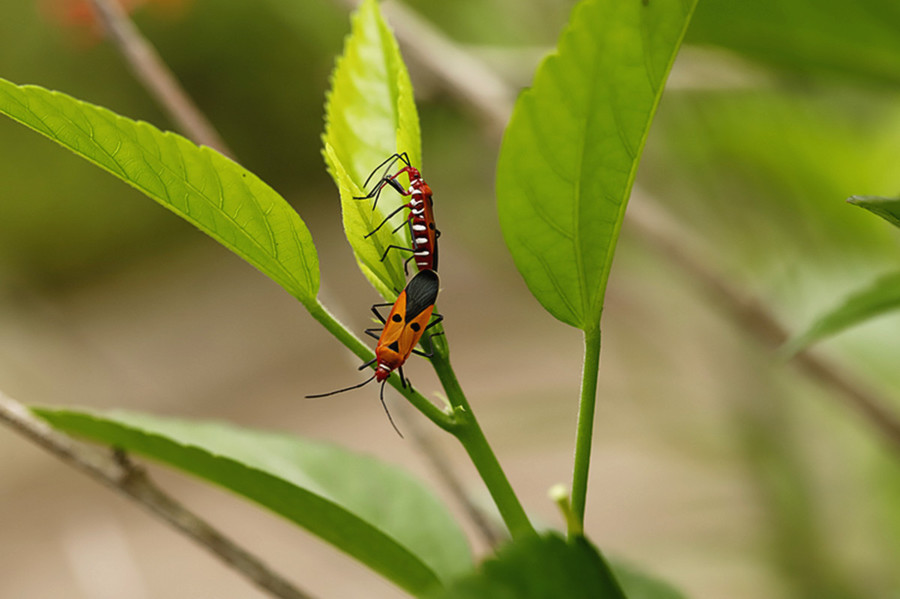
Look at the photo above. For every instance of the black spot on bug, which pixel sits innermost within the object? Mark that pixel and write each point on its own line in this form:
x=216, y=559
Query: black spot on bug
x=415, y=327
x=397, y=318
x=395, y=346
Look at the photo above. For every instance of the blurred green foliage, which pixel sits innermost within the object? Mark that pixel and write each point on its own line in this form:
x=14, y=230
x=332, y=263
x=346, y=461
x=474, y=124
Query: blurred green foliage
x=856, y=40
x=760, y=167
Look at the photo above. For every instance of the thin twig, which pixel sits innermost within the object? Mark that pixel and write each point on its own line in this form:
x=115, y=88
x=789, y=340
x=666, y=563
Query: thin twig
x=462, y=75
x=660, y=233
x=444, y=470
x=156, y=77
x=454, y=70
x=119, y=473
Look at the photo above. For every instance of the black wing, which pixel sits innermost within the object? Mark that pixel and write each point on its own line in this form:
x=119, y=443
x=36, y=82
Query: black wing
x=421, y=292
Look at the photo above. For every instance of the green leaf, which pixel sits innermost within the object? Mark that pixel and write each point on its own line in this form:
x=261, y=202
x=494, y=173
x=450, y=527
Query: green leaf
x=638, y=585
x=572, y=147
x=538, y=568
x=886, y=208
x=880, y=297
x=373, y=511
x=217, y=195
x=370, y=114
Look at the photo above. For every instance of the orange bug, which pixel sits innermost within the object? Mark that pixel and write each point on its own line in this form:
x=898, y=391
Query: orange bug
x=421, y=211
x=403, y=328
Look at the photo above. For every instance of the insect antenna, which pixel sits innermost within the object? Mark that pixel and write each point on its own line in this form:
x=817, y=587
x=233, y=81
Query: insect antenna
x=365, y=382
x=384, y=405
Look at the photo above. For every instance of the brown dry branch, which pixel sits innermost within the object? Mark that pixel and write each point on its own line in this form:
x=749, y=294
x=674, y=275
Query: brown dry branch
x=757, y=321
x=116, y=471
x=156, y=77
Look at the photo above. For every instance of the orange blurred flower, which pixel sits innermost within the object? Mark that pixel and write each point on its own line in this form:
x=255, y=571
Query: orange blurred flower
x=79, y=17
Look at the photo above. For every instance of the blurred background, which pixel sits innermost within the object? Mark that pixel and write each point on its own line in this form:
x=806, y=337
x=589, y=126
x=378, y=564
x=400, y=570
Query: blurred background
x=716, y=467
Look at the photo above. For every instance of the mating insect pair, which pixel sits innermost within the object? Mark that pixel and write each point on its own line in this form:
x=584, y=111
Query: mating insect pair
x=411, y=313
x=421, y=211
x=408, y=320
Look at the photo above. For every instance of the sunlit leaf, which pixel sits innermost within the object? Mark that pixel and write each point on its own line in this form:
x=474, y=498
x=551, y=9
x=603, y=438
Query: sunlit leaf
x=879, y=298
x=373, y=511
x=370, y=115
x=538, y=568
x=886, y=208
x=571, y=150
x=217, y=195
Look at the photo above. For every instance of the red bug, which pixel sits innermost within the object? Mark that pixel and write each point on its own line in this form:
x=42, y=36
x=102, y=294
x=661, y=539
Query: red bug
x=407, y=322
x=421, y=211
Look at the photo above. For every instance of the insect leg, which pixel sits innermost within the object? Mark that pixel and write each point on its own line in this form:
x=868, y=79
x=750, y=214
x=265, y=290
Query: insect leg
x=392, y=181
x=395, y=247
x=437, y=318
x=406, y=264
x=428, y=354
x=390, y=159
x=386, y=219
x=369, y=363
x=377, y=315
x=403, y=224
x=375, y=191
x=384, y=405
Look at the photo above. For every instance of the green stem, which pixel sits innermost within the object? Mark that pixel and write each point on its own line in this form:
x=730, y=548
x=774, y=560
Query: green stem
x=560, y=497
x=585, y=427
x=441, y=418
x=461, y=422
x=469, y=433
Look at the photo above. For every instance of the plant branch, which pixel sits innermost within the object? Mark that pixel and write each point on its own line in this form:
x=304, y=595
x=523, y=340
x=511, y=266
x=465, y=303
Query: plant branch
x=156, y=77
x=117, y=472
x=469, y=433
x=164, y=87
x=461, y=423
x=441, y=418
x=464, y=76
x=443, y=469
x=585, y=427
x=754, y=318
x=757, y=321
